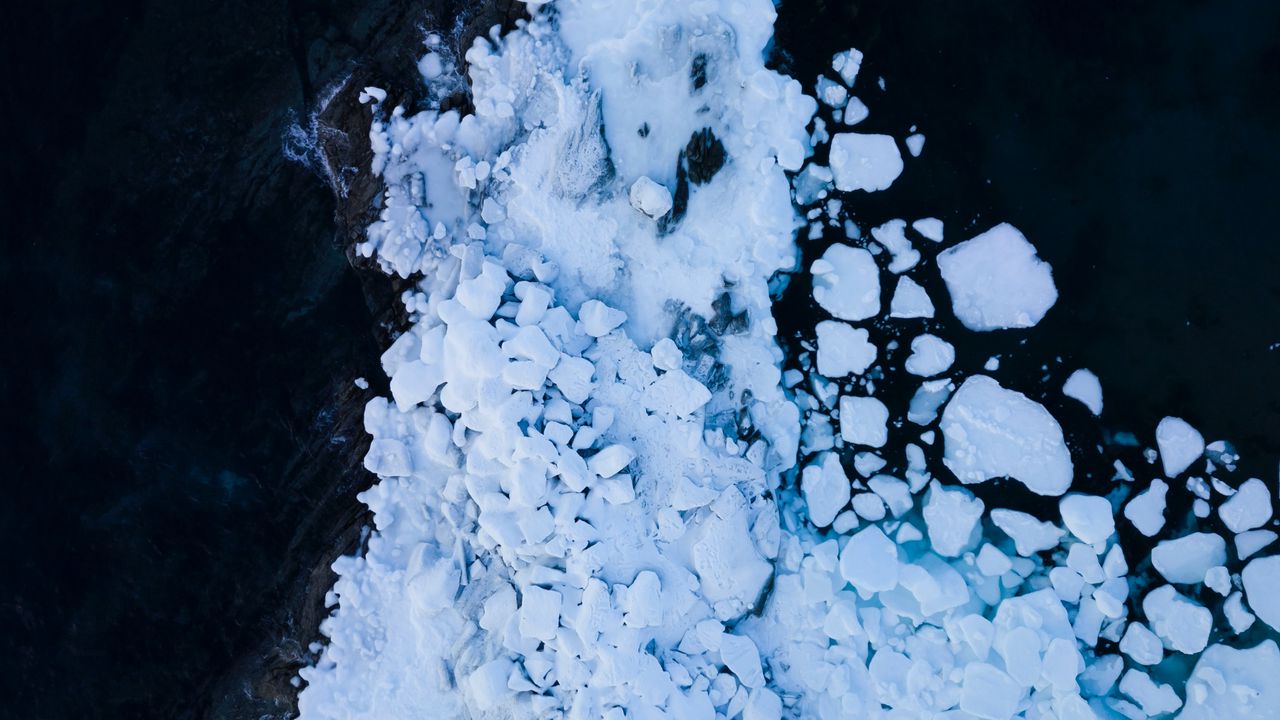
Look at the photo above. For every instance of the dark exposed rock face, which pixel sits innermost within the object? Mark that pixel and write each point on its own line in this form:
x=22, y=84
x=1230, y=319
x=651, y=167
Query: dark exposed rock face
x=184, y=437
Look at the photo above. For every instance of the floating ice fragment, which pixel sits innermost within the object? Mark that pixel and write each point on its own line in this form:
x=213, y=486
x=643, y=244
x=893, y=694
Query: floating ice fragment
x=1249, y=508
x=915, y=144
x=843, y=349
x=1250, y=542
x=996, y=280
x=826, y=489
x=864, y=162
x=1030, y=535
x=846, y=283
x=952, y=516
x=1146, y=511
x=869, y=562
x=1232, y=682
x=1261, y=579
x=1088, y=517
x=929, y=228
x=599, y=319
x=910, y=300
x=847, y=63
x=893, y=237
x=930, y=355
x=991, y=432
x=989, y=692
x=1152, y=698
x=1141, y=645
x=1084, y=386
x=863, y=421
x=741, y=656
x=1180, y=445
x=1182, y=623
x=1188, y=558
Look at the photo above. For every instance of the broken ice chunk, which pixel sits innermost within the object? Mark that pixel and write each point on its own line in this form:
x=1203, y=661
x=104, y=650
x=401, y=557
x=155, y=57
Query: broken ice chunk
x=1180, y=445
x=1088, y=517
x=1141, y=645
x=1261, y=579
x=650, y=198
x=539, y=613
x=989, y=692
x=825, y=488
x=847, y=63
x=952, y=516
x=1146, y=511
x=915, y=144
x=1084, y=386
x=1188, y=558
x=863, y=421
x=929, y=228
x=599, y=319
x=992, y=432
x=930, y=355
x=893, y=237
x=1249, y=508
x=846, y=283
x=869, y=562
x=997, y=281
x=676, y=393
x=1182, y=623
x=1030, y=535
x=1152, y=698
x=611, y=460
x=1250, y=542
x=864, y=162
x=1232, y=682
x=843, y=349
x=910, y=300
x=740, y=655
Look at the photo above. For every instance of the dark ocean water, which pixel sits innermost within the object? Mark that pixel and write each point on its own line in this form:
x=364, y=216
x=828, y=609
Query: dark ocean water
x=183, y=330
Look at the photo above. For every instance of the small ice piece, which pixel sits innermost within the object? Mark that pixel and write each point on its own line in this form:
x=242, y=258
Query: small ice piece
x=864, y=161
x=910, y=300
x=763, y=704
x=1088, y=517
x=1180, y=445
x=923, y=407
x=1232, y=682
x=952, y=516
x=539, y=613
x=1188, y=558
x=1248, y=543
x=1154, y=699
x=930, y=355
x=825, y=488
x=1261, y=579
x=1030, y=535
x=863, y=421
x=855, y=111
x=1141, y=645
x=1182, y=623
x=929, y=228
x=642, y=605
x=1249, y=508
x=812, y=184
x=996, y=280
x=650, y=198
x=991, y=432
x=847, y=63
x=740, y=655
x=1218, y=580
x=676, y=393
x=611, y=460
x=893, y=237
x=1239, y=618
x=869, y=561
x=1084, y=386
x=666, y=355
x=599, y=319
x=831, y=93
x=989, y=692
x=573, y=378
x=1146, y=511
x=846, y=283
x=843, y=349
x=915, y=144
x=992, y=562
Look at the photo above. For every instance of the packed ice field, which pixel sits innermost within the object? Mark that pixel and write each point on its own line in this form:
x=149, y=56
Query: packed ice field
x=607, y=487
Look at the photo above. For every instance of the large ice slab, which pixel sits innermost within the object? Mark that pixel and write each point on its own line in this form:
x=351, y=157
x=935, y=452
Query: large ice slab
x=991, y=432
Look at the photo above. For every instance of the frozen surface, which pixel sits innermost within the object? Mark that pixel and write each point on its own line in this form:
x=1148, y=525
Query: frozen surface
x=997, y=281
x=992, y=432
x=605, y=491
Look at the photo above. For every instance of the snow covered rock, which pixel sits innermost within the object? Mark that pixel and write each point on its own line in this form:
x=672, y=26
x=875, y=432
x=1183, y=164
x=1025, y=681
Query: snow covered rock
x=997, y=281
x=650, y=198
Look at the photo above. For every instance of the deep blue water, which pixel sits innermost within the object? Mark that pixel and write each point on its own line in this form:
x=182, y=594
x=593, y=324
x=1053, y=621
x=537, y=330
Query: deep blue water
x=183, y=330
